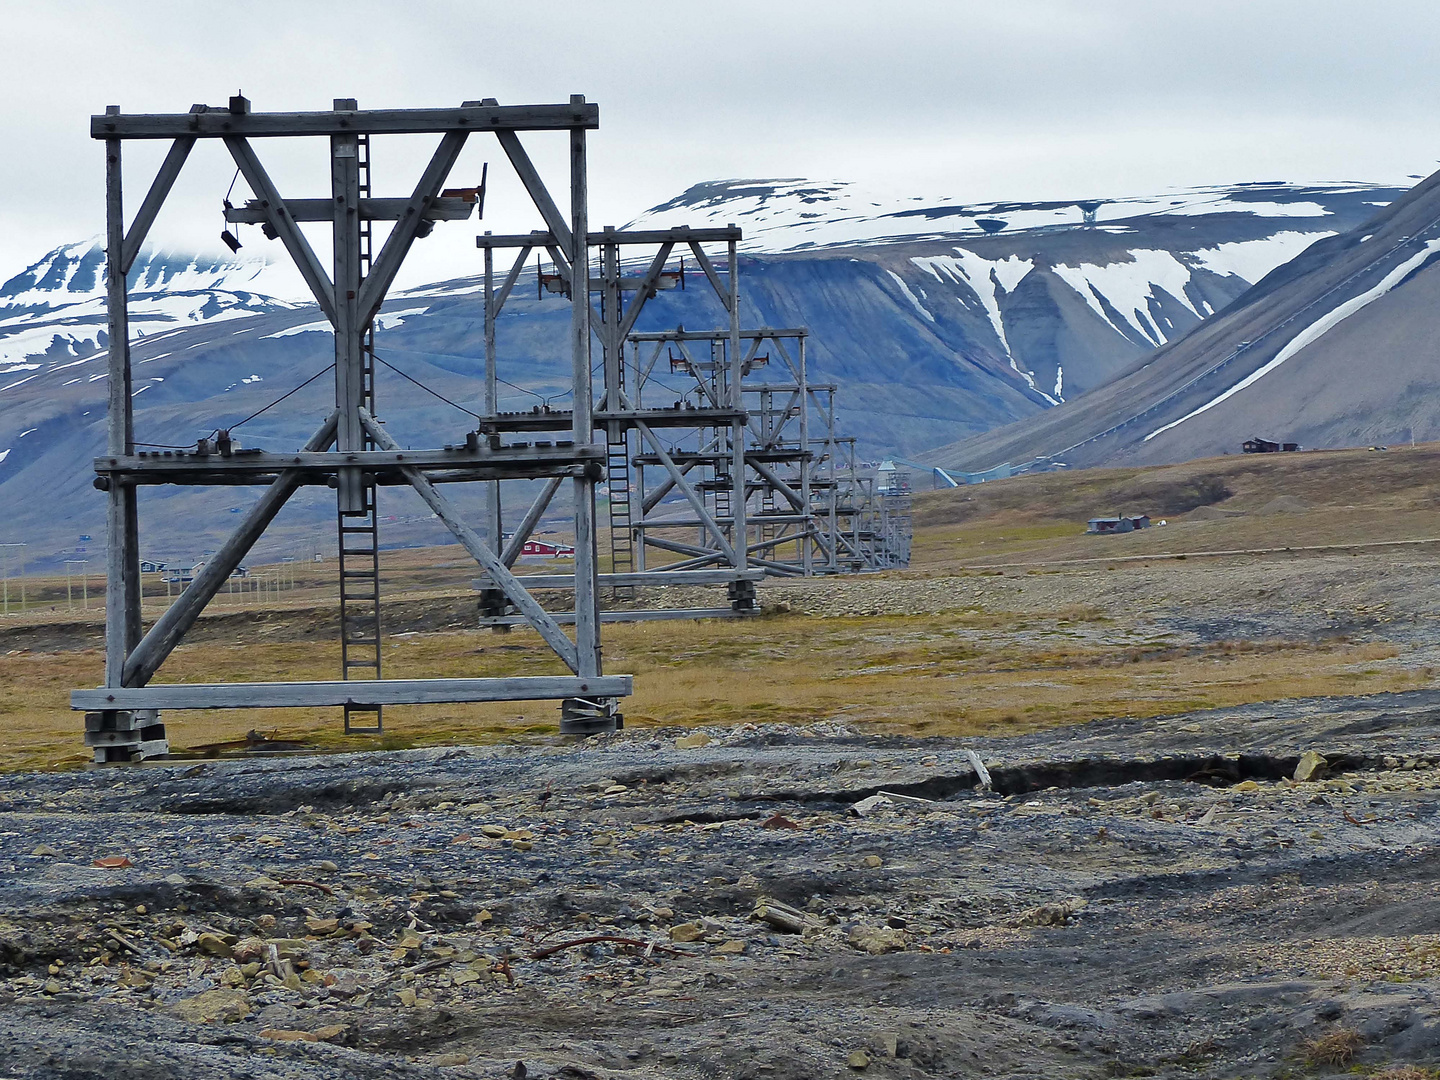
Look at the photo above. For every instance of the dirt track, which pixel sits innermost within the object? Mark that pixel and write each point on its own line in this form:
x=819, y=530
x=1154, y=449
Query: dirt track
x=1139, y=899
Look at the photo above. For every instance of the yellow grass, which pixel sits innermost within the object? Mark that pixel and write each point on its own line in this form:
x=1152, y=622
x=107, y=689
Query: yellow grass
x=933, y=675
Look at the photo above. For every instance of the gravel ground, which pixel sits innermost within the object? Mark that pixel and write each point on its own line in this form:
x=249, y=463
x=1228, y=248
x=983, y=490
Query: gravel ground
x=1131, y=899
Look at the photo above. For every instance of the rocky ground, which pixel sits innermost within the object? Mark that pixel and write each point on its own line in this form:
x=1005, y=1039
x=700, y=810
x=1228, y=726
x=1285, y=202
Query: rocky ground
x=1128, y=899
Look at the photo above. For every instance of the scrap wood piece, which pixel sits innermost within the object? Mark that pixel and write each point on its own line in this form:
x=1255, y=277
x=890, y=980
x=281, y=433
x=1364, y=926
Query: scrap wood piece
x=982, y=774
x=649, y=946
x=782, y=917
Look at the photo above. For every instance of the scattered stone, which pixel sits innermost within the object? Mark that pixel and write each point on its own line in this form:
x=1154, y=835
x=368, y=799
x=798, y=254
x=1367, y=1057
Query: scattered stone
x=779, y=821
x=112, y=862
x=858, y=1059
x=1246, y=787
x=732, y=947
x=322, y=926
x=45, y=851
x=866, y=807
x=214, y=945
x=1054, y=914
x=602, y=840
x=693, y=741
x=873, y=861
x=229, y=1006
x=494, y=832
x=876, y=939
x=687, y=931
x=288, y=1035
x=450, y=1061
x=1310, y=767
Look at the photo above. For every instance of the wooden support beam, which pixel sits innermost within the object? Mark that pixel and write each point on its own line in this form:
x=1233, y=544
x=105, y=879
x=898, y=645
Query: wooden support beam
x=397, y=244
x=644, y=292
x=529, y=521
x=154, y=199
x=284, y=225
x=150, y=653
x=537, y=616
x=439, y=209
x=154, y=466
x=223, y=124
x=290, y=695
x=679, y=235
x=539, y=194
x=697, y=503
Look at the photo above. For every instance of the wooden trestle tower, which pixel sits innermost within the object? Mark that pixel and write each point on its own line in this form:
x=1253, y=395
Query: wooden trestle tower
x=352, y=451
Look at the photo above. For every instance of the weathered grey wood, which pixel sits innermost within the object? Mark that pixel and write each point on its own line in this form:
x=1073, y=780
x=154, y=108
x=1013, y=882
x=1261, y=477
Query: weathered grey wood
x=439, y=209
x=402, y=236
x=537, y=616
x=773, y=478
x=715, y=283
x=711, y=335
x=510, y=279
x=587, y=599
x=349, y=324
x=220, y=123
x=284, y=225
x=284, y=695
x=739, y=490
x=145, y=659
x=329, y=461
x=634, y=615
x=539, y=194
x=679, y=235
x=494, y=522
x=154, y=199
x=644, y=578
x=529, y=521
x=122, y=560
x=642, y=294
x=697, y=503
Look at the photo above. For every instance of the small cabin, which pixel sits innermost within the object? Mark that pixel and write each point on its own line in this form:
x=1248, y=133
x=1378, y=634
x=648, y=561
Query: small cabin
x=1106, y=526
x=1266, y=446
x=539, y=549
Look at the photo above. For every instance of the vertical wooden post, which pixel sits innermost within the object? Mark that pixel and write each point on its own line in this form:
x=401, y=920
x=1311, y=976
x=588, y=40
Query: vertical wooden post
x=349, y=335
x=587, y=612
x=492, y=395
x=122, y=554
x=740, y=533
x=807, y=537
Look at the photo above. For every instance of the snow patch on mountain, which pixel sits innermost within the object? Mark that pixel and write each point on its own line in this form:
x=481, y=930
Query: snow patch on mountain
x=793, y=214
x=983, y=276
x=1130, y=286
x=1315, y=331
x=1253, y=259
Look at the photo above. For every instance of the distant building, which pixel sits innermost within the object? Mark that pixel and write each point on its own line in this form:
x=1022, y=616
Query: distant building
x=1105, y=526
x=539, y=549
x=1265, y=446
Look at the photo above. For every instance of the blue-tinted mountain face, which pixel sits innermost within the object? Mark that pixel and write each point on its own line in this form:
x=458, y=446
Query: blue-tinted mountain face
x=937, y=319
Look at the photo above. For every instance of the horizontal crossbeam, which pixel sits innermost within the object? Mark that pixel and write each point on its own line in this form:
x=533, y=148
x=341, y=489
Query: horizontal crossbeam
x=637, y=578
x=286, y=695
x=561, y=419
x=259, y=461
x=440, y=209
x=618, y=236
x=218, y=123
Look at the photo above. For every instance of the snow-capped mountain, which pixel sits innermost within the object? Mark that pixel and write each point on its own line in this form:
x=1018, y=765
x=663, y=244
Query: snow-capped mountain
x=1061, y=294
x=952, y=328
x=794, y=215
x=1335, y=348
x=54, y=310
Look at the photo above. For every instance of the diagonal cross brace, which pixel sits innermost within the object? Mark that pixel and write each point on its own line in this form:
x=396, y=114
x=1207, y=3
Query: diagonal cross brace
x=154, y=199
x=284, y=224
x=537, y=616
x=154, y=647
x=530, y=177
x=397, y=244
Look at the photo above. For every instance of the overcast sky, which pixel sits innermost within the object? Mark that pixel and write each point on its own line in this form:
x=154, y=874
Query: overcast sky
x=979, y=100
